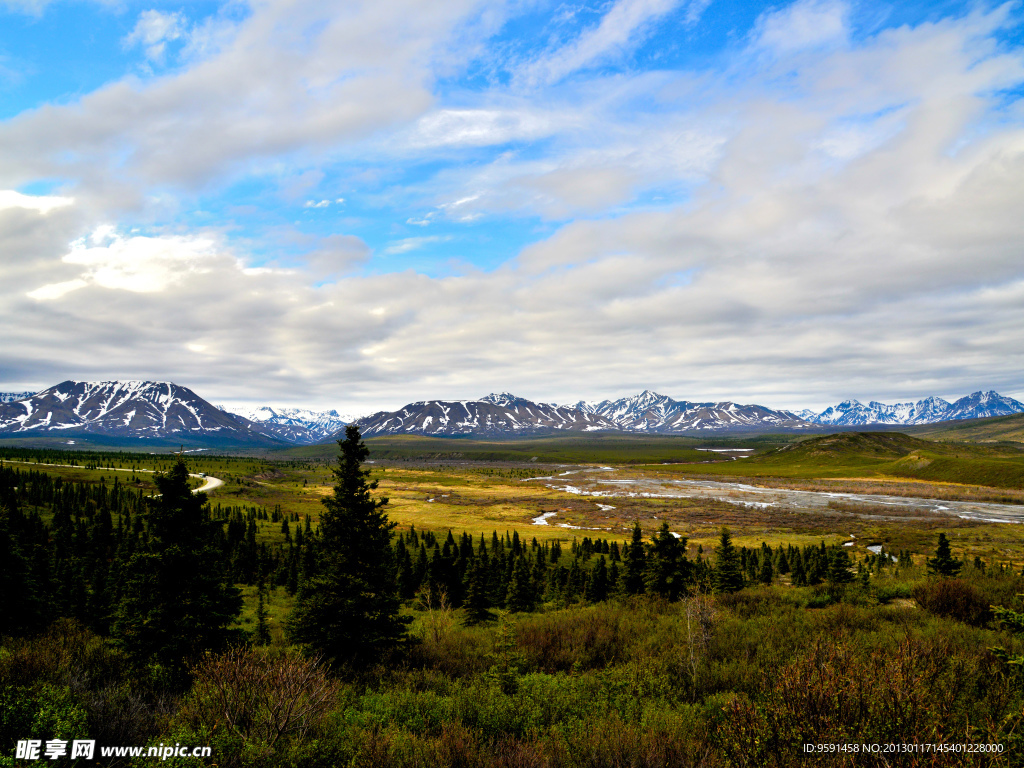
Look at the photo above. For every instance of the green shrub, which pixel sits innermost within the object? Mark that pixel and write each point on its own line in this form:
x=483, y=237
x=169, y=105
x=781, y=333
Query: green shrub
x=954, y=598
x=888, y=590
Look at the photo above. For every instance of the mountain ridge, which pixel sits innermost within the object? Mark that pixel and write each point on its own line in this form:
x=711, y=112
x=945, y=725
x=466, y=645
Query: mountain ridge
x=930, y=410
x=130, y=410
x=164, y=410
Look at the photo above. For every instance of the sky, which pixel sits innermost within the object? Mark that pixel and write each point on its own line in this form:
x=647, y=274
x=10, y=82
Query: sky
x=359, y=204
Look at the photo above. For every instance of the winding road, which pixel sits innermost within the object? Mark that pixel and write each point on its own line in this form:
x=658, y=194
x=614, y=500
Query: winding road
x=209, y=485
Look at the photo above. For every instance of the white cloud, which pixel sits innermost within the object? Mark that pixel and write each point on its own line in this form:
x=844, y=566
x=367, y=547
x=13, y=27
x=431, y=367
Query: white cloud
x=138, y=264
x=302, y=77
x=413, y=243
x=619, y=29
x=154, y=30
x=479, y=127
x=56, y=290
x=804, y=24
x=41, y=203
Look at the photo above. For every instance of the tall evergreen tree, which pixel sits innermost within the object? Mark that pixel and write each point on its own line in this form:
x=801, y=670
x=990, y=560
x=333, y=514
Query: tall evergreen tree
x=944, y=564
x=477, y=601
x=348, y=609
x=597, y=586
x=521, y=593
x=728, y=573
x=176, y=601
x=840, y=569
x=635, y=563
x=668, y=570
x=262, y=636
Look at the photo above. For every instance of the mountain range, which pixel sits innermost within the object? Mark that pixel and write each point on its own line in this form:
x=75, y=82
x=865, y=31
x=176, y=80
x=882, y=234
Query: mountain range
x=154, y=411
x=162, y=411
x=979, y=405
x=314, y=426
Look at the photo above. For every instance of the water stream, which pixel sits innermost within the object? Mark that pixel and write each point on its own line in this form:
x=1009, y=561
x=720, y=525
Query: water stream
x=602, y=484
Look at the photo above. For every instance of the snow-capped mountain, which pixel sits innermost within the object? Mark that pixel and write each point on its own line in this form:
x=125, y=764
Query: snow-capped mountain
x=494, y=414
x=311, y=426
x=982, y=405
x=855, y=413
x=166, y=411
x=498, y=414
x=651, y=412
x=978, y=405
x=127, y=409
x=10, y=397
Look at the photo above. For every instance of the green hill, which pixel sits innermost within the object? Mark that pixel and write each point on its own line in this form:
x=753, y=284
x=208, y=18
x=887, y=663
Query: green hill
x=882, y=454
x=996, y=429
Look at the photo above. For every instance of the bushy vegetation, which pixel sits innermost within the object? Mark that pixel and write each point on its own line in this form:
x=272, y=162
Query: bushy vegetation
x=601, y=653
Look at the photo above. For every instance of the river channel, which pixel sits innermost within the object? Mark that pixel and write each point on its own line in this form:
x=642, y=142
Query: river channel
x=605, y=483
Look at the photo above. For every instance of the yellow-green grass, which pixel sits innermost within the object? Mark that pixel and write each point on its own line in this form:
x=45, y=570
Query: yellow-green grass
x=996, y=429
x=881, y=456
x=144, y=480
x=595, y=448
x=479, y=500
x=466, y=500
x=278, y=604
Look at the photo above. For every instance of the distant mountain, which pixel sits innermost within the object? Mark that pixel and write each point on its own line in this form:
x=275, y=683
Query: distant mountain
x=128, y=409
x=982, y=405
x=506, y=414
x=10, y=397
x=651, y=412
x=171, y=413
x=979, y=405
x=493, y=415
x=306, y=425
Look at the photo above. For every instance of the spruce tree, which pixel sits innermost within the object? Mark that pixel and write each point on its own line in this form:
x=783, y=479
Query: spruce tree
x=635, y=562
x=262, y=627
x=668, y=570
x=944, y=563
x=840, y=569
x=728, y=573
x=781, y=562
x=477, y=601
x=176, y=600
x=521, y=594
x=347, y=610
x=597, y=586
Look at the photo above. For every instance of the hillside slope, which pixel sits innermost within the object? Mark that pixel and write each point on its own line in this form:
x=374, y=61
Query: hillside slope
x=881, y=455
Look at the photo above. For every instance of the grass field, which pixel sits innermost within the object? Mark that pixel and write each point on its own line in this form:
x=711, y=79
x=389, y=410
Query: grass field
x=500, y=495
x=879, y=456
x=598, y=448
x=998, y=429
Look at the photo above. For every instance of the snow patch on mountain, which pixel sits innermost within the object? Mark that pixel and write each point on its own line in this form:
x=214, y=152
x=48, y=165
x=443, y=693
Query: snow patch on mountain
x=11, y=397
x=320, y=425
x=129, y=409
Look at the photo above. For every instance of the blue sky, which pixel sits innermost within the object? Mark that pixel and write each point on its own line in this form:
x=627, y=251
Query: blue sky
x=355, y=205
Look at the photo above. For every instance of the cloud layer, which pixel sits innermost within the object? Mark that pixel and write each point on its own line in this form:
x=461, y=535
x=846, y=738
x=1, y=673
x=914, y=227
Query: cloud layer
x=821, y=210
